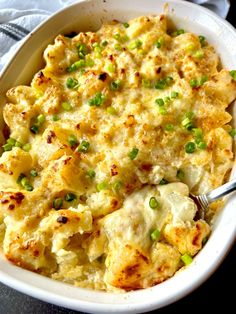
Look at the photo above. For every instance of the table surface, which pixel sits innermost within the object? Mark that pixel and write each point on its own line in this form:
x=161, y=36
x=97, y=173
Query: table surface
x=218, y=292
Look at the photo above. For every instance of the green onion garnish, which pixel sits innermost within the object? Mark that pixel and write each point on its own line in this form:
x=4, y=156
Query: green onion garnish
x=117, y=185
x=135, y=44
x=199, y=54
x=180, y=174
x=66, y=106
x=83, y=147
x=55, y=117
x=169, y=127
x=233, y=74
x=146, y=83
x=69, y=197
x=126, y=25
x=174, y=95
x=202, y=145
x=33, y=173
x=163, y=111
x=115, y=85
x=7, y=147
x=41, y=119
x=187, y=259
x=163, y=182
x=232, y=132
x=75, y=66
x=111, y=110
x=133, y=153
x=153, y=203
x=163, y=83
x=26, y=147
x=187, y=123
x=82, y=50
x=71, y=82
x=159, y=42
x=98, y=100
x=190, y=147
x=72, y=140
x=202, y=40
x=193, y=83
x=91, y=173
x=34, y=129
x=159, y=102
x=178, y=32
x=57, y=203
x=102, y=186
x=155, y=235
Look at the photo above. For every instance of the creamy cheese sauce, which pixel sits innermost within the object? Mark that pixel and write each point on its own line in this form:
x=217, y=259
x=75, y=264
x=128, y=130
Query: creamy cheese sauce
x=104, y=147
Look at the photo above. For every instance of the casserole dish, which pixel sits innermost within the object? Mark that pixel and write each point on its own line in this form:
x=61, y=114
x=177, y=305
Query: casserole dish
x=88, y=15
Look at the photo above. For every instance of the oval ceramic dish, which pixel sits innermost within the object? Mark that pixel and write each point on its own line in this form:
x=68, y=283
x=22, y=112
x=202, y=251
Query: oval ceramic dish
x=88, y=15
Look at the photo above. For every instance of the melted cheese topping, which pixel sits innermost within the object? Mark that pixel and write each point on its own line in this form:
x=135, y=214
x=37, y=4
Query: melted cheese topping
x=104, y=126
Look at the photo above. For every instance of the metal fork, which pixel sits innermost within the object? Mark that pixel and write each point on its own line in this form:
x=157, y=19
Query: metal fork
x=203, y=200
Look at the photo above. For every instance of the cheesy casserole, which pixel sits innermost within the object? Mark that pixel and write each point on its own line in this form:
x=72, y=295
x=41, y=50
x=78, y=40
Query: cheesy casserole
x=103, y=148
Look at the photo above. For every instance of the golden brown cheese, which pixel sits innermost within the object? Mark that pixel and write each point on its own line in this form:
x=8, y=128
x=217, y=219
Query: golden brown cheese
x=112, y=118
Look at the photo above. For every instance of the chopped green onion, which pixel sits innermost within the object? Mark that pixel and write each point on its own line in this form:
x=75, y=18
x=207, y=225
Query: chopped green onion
x=193, y=83
x=104, y=43
x=233, y=74
x=26, y=147
x=26, y=184
x=167, y=99
x=69, y=197
x=178, y=32
x=163, y=182
x=75, y=66
x=57, y=203
x=174, y=95
x=98, y=100
x=21, y=176
x=187, y=123
x=18, y=144
x=89, y=62
x=163, y=111
x=190, y=147
x=202, y=145
x=204, y=240
x=82, y=50
x=34, y=129
x=232, y=132
x=111, y=110
x=203, y=79
x=11, y=141
x=71, y=82
x=7, y=147
x=155, y=235
x=199, y=54
x=117, y=185
x=111, y=68
x=180, y=174
x=55, y=117
x=135, y=44
x=115, y=85
x=160, y=102
x=153, y=203
x=102, y=186
x=118, y=47
x=169, y=127
x=91, y=173
x=163, y=83
x=66, y=106
x=133, y=153
x=33, y=173
x=126, y=25
x=117, y=36
x=197, y=132
x=83, y=147
x=159, y=42
x=190, y=48
x=41, y=119
x=187, y=259
x=72, y=140
x=202, y=40
x=146, y=83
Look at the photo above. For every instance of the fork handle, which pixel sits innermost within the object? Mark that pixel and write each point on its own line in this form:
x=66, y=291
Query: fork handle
x=221, y=191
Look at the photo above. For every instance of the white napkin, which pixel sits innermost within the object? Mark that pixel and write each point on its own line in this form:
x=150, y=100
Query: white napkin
x=18, y=18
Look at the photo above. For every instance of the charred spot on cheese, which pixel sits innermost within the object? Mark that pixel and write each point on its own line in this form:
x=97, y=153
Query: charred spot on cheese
x=62, y=219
